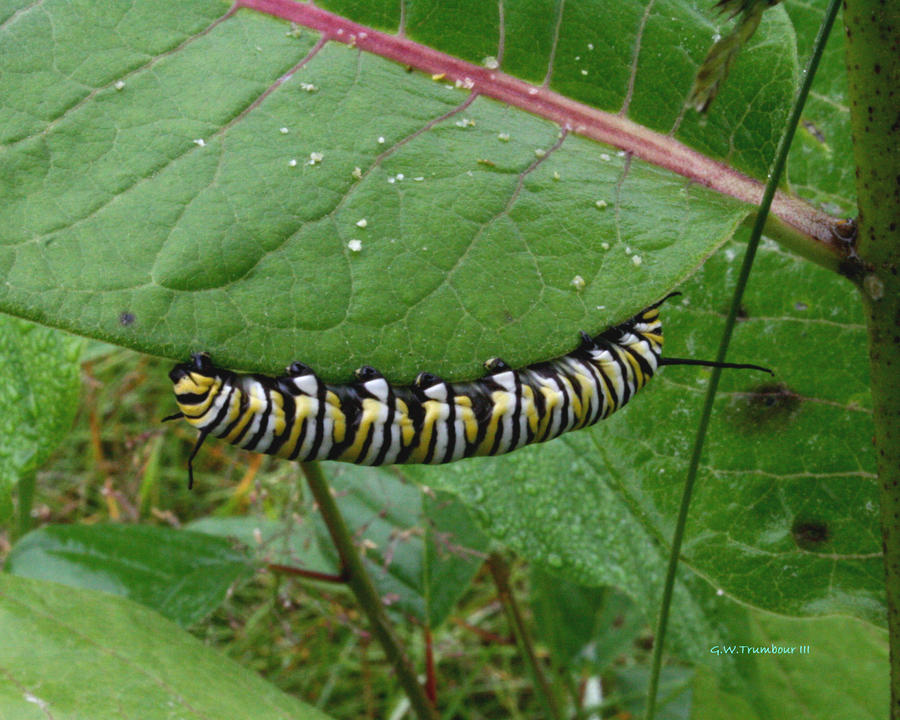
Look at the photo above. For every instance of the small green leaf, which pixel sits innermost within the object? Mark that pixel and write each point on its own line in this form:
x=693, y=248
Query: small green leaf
x=39, y=384
x=714, y=70
x=421, y=550
x=182, y=575
x=74, y=653
x=583, y=625
x=269, y=541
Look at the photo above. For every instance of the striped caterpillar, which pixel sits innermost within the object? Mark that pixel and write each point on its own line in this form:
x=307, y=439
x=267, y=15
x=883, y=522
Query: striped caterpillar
x=371, y=422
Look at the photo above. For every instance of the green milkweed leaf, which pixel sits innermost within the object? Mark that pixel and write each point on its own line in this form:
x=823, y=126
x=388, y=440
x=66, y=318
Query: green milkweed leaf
x=70, y=652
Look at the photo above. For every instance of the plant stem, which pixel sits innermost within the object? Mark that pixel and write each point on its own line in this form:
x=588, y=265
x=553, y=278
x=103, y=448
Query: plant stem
x=873, y=70
x=500, y=572
x=361, y=584
x=775, y=173
x=26, y=501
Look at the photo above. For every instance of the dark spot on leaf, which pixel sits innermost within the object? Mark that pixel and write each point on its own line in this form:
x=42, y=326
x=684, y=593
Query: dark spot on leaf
x=126, y=319
x=801, y=306
x=765, y=408
x=742, y=314
x=814, y=131
x=810, y=534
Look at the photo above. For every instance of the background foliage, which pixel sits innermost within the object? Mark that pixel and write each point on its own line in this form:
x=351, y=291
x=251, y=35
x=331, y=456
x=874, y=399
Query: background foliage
x=148, y=197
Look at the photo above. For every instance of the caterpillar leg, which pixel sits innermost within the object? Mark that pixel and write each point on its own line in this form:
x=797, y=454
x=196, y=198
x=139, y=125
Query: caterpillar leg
x=364, y=373
x=298, y=369
x=425, y=380
x=496, y=365
x=200, y=438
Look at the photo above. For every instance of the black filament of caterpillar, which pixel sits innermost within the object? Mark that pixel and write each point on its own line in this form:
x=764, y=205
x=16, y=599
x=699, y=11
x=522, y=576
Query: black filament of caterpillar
x=371, y=422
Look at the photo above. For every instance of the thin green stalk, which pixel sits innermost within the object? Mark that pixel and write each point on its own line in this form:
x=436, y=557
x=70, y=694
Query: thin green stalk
x=361, y=584
x=500, y=572
x=873, y=71
x=26, y=501
x=775, y=173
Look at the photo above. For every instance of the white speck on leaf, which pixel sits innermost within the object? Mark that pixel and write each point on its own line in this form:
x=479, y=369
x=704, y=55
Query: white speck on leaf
x=578, y=282
x=355, y=245
x=381, y=139
x=604, y=157
x=637, y=259
x=315, y=158
x=42, y=704
x=490, y=62
x=540, y=152
x=503, y=137
x=362, y=223
x=119, y=84
x=584, y=72
x=292, y=162
x=284, y=131
x=200, y=142
x=308, y=87
x=357, y=173
x=556, y=174
x=604, y=245
x=601, y=204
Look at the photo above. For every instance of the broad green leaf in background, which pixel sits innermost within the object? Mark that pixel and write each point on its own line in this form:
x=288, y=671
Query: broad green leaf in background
x=74, y=653
x=844, y=675
x=39, y=384
x=182, y=575
x=194, y=185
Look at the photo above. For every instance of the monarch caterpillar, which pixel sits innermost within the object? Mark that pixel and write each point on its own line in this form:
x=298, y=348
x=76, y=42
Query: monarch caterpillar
x=371, y=422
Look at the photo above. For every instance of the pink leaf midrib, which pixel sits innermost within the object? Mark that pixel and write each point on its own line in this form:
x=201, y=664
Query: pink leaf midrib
x=573, y=116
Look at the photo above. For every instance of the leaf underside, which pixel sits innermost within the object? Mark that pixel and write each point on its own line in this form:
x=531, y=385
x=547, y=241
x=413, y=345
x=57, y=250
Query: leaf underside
x=200, y=186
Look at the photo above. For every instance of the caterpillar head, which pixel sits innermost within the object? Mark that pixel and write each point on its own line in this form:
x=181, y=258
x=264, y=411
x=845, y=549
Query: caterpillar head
x=194, y=377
